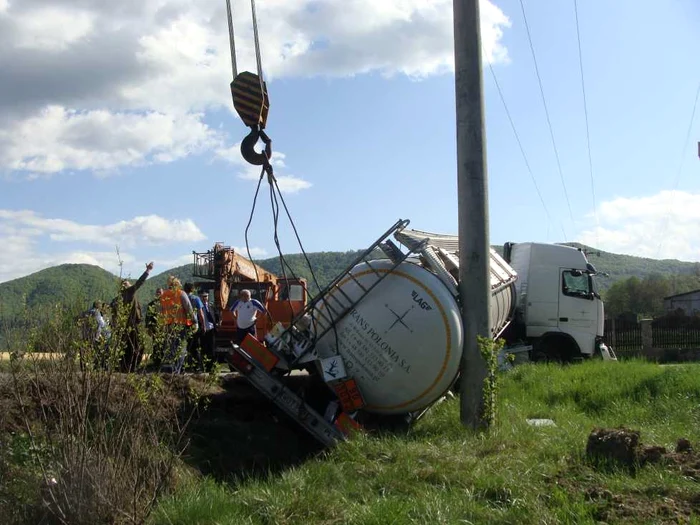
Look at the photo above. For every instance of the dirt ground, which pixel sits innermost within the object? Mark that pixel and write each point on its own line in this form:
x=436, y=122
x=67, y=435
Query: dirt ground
x=608, y=449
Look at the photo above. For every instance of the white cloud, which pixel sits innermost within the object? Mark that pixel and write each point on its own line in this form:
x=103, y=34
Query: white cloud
x=110, y=261
x=51, y=29
x=286, y=183
x=289, y=184
x=345, y=38
x=172, y=262
x=150, y=229
x=57, y=139
x=664, y=225
x=255, y=252
x=111, y=84
x=29, y=238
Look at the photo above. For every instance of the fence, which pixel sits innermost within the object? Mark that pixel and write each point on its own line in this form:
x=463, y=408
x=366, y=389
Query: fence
x=676, y=332
x=625, y=336
x=666, y=337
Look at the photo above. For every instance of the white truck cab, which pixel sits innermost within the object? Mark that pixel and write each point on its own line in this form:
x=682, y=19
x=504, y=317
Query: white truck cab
x=558, y=308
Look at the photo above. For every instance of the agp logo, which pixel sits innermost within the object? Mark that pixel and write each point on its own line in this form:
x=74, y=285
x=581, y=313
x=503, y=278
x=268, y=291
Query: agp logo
x=421, y=302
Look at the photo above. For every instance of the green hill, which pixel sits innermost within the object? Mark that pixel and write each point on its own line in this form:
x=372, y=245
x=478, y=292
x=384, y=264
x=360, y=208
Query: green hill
x=80, y=282
x=623, y=266
x=77, y=282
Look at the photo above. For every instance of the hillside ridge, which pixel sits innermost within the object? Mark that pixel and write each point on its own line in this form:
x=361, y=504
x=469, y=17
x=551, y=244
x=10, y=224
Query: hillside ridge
x=84, y=282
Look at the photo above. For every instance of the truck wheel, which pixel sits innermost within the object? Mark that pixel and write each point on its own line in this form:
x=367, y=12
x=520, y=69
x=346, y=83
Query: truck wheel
x=538, y=355
x=556, y=350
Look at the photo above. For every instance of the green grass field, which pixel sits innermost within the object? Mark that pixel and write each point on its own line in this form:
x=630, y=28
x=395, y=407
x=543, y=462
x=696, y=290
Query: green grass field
x=516, y=473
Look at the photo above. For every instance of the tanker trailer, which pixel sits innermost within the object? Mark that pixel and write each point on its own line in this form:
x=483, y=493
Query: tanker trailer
x=385, y=336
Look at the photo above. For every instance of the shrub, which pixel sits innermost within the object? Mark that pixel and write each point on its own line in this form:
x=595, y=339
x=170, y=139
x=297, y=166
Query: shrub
x=103, y=444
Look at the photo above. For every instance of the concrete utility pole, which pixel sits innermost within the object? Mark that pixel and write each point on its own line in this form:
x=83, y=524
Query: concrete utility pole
x=472, y=195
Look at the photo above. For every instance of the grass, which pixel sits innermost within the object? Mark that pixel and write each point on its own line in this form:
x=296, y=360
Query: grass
x=516, y=473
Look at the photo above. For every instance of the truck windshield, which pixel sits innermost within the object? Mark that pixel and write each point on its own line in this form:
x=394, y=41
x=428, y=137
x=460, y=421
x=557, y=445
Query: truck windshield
x=576, y=283
x=257, y=291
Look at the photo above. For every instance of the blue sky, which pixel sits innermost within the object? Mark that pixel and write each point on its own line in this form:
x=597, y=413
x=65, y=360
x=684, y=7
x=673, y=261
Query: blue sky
x=117, y=128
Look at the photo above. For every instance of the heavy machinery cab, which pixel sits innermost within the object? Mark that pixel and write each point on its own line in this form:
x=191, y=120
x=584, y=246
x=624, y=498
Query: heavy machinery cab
x=283, y=302
x=228, y=273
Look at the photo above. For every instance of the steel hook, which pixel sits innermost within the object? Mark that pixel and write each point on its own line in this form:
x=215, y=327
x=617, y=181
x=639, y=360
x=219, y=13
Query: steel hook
x=248, y=147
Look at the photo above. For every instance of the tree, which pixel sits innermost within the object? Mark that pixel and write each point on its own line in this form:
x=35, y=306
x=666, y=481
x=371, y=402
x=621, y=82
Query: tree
x=617, y=299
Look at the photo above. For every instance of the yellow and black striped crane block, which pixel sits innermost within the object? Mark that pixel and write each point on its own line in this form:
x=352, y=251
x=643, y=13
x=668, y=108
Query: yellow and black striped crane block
x=250, y=99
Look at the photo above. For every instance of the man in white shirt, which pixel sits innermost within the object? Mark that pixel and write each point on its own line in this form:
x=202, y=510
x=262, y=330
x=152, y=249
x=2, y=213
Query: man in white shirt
x=245, y=310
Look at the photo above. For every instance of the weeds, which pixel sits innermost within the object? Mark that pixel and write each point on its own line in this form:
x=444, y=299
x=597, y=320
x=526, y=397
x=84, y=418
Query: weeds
x=489, y=352
x=515, y=473
x=103, y=446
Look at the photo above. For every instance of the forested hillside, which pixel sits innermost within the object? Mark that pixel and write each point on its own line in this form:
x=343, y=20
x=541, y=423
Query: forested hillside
x=622, y=266
x=85, y=283
x=645, y=297
x=75, y=282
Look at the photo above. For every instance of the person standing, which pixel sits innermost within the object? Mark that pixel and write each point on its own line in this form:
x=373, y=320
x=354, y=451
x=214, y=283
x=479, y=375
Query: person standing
x=95, y=330
x=209, y=335
x=178, y=318
x=246, y=310
x=194, y=343
x=128, y=305
x=103, y=332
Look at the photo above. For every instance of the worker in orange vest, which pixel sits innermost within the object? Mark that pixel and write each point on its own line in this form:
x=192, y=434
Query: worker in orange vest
x=178, y=317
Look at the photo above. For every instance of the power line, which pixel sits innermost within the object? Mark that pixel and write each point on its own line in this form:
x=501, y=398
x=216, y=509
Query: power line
x=546, y=111
x=588, y=135
x=522, y=150
x=680, y=169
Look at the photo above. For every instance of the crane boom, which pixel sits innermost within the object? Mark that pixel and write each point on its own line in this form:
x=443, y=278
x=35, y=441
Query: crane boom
x=244, y=269
x=225, y=270
x=224, y=265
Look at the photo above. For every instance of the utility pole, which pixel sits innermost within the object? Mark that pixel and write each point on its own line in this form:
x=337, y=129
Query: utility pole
x=472, y=195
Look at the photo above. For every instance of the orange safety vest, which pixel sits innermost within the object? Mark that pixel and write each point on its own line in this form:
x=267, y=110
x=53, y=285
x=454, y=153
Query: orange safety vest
x=172, y=309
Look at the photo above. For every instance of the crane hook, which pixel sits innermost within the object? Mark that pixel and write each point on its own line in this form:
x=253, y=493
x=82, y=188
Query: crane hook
x=248, y=147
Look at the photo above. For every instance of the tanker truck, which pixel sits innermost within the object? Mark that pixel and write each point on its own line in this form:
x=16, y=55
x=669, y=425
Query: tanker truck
x=383, y=341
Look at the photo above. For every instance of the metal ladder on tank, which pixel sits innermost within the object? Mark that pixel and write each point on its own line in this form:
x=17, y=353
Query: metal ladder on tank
x=337, y=311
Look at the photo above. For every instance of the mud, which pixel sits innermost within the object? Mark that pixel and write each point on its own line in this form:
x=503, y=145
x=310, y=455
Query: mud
x=622, y=448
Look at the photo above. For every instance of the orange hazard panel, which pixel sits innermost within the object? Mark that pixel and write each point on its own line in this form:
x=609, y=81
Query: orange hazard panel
x=250, y=99
x=349, y=395
x=259, y=352
x=346, y=424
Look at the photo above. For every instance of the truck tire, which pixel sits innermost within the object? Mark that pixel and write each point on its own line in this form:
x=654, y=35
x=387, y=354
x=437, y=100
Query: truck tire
x=556, y=349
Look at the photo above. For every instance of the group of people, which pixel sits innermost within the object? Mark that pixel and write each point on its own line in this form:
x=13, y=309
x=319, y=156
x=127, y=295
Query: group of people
x=189, y=324
x=182, y=324
x=125, y=315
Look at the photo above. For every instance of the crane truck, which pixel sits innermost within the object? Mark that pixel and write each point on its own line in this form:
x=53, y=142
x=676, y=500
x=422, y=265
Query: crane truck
x=383, y=341
x=227, y=272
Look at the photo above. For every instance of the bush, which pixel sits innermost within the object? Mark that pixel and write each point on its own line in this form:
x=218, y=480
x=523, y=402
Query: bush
x=102, y=444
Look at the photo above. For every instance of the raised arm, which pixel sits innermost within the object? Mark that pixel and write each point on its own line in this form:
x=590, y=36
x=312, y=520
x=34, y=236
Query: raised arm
x=131, y=290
